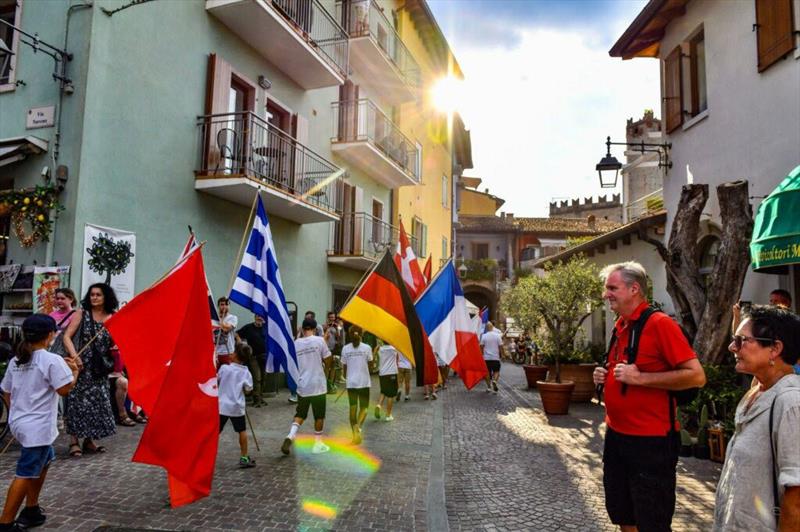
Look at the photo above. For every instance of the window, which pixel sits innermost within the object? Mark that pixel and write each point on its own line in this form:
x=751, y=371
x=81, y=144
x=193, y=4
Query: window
x=419, y=232
x=480, y=251
x=709, y=248
x=418, y=162
x=445, y=191
x=673, y=90
x=775, y=31
x=10, y=13
x=445, y=249
x=697, y=77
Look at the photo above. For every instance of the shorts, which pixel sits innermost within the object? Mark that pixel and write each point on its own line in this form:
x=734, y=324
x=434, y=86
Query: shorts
x=238, y=422
x=388, y=385
x=358, y=396
x=317, y=404
x=33, y=460
x=404, y=373
x=639, y=479
x=493, y=366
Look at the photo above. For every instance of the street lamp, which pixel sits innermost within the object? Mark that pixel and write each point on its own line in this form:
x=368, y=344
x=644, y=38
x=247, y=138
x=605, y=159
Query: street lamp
x=609, y=163
x=462, y=270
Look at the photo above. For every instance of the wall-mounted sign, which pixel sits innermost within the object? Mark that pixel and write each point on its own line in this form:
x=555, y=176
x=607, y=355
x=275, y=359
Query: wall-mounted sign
x=40, y=117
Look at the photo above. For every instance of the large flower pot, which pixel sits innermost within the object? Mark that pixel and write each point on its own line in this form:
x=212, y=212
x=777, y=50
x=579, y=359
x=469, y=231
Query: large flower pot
x=581, y=375
x=534, y=373
x=555, y=396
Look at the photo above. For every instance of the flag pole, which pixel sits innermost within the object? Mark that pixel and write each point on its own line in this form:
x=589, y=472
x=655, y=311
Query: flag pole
x=251, y=429
x=361, y=281
x=237, y=259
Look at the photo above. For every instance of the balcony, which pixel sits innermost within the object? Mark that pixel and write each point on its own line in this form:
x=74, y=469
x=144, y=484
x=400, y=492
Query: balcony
x=241, y=153
x=645, y=206
x=377, y=54
x=359, y=239
x=366, y=138
x=299, y=37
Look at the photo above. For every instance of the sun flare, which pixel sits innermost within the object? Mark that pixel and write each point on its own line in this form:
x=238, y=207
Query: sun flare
x=448, y=95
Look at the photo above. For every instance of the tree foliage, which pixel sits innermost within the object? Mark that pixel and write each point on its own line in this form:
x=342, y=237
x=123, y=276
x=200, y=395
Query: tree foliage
x=108, y=256
x=560, y=300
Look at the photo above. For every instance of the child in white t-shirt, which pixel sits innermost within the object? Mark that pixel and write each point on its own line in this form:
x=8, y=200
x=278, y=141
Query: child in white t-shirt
x=233, y=381
x=355, y=360
x=32, y=384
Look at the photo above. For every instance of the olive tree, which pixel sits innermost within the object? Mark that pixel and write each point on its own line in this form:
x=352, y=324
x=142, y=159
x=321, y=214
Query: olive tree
x=561, y=299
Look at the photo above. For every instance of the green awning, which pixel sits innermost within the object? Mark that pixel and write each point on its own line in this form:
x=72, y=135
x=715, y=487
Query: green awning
x=776, y=234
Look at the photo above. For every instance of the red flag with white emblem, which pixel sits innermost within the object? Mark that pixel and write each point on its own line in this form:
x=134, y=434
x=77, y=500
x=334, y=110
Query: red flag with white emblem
x=165, y=339
x=407, y=264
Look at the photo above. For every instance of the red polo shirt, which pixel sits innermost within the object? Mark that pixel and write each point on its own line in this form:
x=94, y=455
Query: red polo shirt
x=644, y=411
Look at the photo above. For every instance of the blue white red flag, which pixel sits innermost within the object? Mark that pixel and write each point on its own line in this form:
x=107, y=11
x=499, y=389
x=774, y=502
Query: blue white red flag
x=258, y=288
x=442, y=309
x=190, y=246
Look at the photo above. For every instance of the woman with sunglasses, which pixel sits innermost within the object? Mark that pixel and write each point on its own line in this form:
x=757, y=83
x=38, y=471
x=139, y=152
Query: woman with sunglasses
x=759, y=488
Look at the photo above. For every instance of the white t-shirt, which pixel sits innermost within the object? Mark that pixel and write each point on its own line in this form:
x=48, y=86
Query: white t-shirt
x=34, y=401
x=311, y=350
x=403, y=362
x=388, y=359
x=491, y=342
x=227, y=343
x=356, y=358
x=232, y=381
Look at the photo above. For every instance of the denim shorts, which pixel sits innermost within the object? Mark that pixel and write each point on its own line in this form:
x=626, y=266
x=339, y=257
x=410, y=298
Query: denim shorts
x=32, y=460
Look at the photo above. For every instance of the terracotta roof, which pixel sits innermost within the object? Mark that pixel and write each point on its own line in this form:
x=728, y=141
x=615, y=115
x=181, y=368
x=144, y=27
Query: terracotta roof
x=572, y=226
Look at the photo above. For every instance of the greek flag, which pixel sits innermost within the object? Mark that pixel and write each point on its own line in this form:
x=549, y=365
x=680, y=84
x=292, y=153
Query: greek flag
x=258, y=288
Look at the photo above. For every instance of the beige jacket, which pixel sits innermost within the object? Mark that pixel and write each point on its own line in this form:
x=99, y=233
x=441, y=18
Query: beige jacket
x=744, y=494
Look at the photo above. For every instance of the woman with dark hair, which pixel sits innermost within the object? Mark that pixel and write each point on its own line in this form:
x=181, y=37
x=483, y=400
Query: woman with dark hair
x=89, y=413
x=759, y=488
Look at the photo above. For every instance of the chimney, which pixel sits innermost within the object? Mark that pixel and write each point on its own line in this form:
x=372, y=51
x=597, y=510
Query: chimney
x=591, y=221
x=510, y=217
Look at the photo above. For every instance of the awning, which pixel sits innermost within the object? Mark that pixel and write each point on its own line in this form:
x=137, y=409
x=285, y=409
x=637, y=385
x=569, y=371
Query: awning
x=776, y=233
x=17, y=148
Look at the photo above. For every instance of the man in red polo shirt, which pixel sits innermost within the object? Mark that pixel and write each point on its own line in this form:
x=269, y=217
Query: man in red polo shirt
x=641, y=450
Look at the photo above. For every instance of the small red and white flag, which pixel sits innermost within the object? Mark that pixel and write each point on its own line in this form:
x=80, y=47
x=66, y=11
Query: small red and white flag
x=407, y=264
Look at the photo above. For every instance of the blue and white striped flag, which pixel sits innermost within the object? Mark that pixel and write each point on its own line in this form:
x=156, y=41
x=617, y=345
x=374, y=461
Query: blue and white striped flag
x=258, y=288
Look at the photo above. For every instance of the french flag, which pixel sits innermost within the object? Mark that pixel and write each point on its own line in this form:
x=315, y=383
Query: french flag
x=442, y=310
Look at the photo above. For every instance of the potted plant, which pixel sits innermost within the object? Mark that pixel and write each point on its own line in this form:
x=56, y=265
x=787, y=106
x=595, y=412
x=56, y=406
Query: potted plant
x=559, y=301
x=686, y=438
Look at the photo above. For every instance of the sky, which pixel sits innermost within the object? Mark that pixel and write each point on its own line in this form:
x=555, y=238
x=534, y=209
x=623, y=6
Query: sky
x=541, y=93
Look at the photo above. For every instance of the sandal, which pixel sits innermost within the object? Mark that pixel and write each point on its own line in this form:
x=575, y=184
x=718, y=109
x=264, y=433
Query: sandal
x=126, y=422
x=139, y=418
x=75, y=451
x=93, y=449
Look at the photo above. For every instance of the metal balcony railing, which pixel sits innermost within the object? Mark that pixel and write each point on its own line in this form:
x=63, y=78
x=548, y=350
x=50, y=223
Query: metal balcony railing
x=645, y=205
x=362, y=234
x=244, y=145
x=361, y=120
x=320, y=29
x=364, y=18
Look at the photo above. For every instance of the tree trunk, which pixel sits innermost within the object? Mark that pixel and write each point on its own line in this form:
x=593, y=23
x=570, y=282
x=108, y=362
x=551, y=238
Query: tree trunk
x=705, y=315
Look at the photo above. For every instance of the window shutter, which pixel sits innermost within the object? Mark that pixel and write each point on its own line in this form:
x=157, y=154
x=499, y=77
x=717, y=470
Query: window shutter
x=218, y=87
x=775, y=31
x=673, y=90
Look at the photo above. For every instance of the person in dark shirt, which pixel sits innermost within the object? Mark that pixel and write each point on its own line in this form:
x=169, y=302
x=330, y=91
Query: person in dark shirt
x=254, y=334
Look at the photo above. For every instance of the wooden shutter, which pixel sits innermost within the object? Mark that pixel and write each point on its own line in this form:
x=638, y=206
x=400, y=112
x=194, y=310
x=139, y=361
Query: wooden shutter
x=218, y=87
x=775, y=30
x=673, y=90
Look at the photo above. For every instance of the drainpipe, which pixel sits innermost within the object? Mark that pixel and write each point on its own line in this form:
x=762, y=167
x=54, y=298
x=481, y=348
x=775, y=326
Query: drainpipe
x=48, y=254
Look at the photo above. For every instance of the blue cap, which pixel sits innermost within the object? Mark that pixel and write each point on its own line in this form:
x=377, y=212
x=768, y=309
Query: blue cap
x=38, y=326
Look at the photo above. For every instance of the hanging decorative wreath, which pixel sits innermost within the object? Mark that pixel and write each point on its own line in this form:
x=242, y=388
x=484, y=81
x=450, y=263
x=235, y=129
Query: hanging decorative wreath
x=32, y=207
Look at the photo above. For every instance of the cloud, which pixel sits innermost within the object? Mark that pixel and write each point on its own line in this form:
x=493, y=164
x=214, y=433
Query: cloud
x=540, y=111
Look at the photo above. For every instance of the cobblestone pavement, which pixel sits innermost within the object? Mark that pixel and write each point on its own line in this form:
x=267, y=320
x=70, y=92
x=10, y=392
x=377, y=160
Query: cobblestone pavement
x=509, y=467
x=496, y=460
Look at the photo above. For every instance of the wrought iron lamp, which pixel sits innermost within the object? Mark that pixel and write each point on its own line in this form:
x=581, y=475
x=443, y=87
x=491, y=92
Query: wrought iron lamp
x=611, y=166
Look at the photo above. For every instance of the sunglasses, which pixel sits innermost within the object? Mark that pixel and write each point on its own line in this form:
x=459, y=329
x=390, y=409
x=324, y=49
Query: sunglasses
x=739, y=339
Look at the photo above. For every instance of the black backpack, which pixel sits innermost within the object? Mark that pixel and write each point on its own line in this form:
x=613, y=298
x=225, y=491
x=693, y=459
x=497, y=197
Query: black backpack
x=679, y=397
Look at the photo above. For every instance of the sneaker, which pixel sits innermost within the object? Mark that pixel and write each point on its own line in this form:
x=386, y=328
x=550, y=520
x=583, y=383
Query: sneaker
x=433, y=396
x=357, y=438
x=488, y=390
x=14, y=527
x=426, y=397
x=377, y=411
x=397, y=398
x=246, y=462
x=31, y=516
x=320, y=448
x=389, y=418
x=292, y=398
x=494, y=386
x=287, y=444
x=407, y=398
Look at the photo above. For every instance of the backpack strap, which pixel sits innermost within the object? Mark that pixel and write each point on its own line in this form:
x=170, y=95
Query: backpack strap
x=599, y=388
x=635, y=336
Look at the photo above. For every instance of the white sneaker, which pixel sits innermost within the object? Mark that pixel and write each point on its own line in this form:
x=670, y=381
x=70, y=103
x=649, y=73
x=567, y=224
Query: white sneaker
x=488, y=390
x=320, y=448
x=292, y=398
x=389, y=418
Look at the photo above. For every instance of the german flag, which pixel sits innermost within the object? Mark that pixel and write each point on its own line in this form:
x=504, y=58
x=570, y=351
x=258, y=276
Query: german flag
x=382, y=306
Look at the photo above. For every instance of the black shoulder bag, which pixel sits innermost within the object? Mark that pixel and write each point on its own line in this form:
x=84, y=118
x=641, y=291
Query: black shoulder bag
x=101, y=363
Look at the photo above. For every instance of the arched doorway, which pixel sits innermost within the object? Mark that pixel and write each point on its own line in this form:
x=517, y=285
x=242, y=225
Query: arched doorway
x=481, y=297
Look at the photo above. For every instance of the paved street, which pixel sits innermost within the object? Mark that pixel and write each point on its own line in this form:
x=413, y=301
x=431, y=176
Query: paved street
x=469, y=461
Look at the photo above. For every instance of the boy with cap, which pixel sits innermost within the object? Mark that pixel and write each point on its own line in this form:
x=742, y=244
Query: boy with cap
x=234, y=380
x=387, y=375
x=32, y=383
x=355, y=363
x=313, y=358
